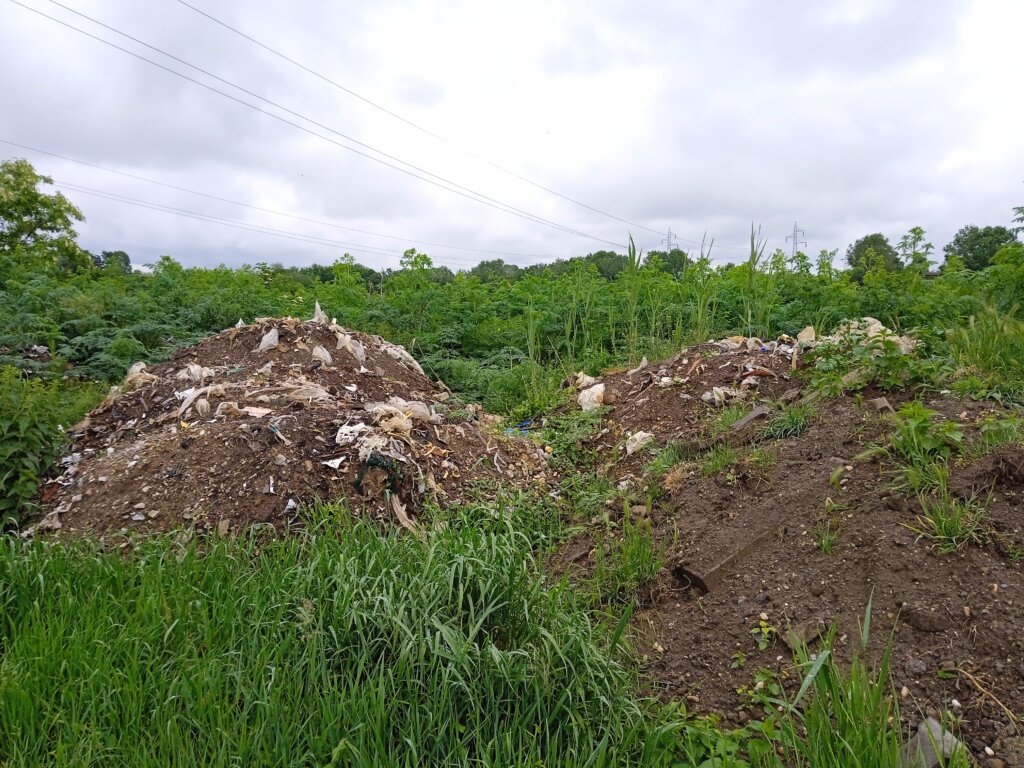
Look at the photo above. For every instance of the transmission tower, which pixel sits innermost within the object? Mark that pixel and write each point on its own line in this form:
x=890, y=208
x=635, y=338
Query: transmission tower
x=669, y=241
x=795, y=237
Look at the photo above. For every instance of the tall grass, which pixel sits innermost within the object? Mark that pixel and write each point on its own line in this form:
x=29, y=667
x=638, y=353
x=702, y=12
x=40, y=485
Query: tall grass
x=343, y=646
x=990, y=352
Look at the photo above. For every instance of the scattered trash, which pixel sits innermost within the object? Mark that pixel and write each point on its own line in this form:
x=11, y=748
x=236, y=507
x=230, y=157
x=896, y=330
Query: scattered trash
x=592, y=397
x=321, y=354
x=269, y=341
x=638, y=440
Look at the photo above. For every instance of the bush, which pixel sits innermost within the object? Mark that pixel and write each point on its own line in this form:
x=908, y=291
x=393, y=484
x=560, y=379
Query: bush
x=29, y=438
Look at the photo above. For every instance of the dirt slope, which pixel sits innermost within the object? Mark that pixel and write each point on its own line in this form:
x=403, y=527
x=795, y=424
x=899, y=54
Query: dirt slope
x=744, y=545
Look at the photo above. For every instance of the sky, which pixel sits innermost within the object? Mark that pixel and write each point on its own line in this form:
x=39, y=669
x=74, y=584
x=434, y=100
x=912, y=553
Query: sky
x=525, y=131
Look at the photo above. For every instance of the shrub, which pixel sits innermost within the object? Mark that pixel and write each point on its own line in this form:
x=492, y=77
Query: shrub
x=29, y=438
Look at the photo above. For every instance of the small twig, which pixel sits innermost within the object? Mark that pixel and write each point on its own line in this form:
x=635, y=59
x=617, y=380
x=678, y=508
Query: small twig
x=985, y=692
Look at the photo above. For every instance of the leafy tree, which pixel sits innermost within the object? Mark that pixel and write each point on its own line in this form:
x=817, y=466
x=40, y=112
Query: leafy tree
x=36, y=228
x=115, y=259
x=914, y=251
x=878, y=244
x=977, y=245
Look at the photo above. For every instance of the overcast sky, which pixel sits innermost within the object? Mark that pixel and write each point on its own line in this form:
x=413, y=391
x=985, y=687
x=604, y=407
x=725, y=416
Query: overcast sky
x=848, y=117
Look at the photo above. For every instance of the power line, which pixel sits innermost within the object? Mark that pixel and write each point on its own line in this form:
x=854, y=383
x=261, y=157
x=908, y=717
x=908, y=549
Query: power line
x=269, y=210
x=408, y=122
x=234, y=224
x=454, y=187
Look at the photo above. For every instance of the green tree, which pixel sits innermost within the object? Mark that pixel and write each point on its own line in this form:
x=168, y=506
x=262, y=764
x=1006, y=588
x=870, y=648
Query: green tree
x=914, y=251
x=878, y=244
x=36, y=228
x=977, y=245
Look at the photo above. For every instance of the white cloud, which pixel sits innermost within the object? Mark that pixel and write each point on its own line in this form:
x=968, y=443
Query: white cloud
x=850, y=117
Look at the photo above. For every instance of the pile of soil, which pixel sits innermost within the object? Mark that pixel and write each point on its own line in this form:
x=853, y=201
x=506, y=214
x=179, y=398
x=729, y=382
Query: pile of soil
x=253, y=423
x=744, y=546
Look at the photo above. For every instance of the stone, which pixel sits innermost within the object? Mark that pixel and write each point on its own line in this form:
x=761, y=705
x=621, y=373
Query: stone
x=915, y=667
x=930, y=747
x=807, y=334
x=881, y=404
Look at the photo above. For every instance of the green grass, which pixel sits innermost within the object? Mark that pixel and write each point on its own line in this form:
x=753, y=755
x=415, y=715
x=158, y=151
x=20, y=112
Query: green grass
x=717, y=459
x=792, y=421
x=632, y=559
x=951, y=524
x=665, y=460
x=342, y=646
x=727, y=417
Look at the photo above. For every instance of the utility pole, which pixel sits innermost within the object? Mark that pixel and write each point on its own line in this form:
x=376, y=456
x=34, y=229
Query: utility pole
x=795, y=237
x=668, y=240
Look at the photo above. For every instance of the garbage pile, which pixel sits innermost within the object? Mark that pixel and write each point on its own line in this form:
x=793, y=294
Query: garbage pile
x=653, y=404
x=254, y=422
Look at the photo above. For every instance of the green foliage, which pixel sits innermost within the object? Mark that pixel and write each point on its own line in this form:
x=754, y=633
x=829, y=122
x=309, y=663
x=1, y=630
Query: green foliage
x=951, y=523
x=340, y=646
x=29, y=440
x=975, y=246
x=793, y=420
x=717, y=459
x=872, y=252
x=36, y=229
x=665, y=460
x=989, y=351
x=919, y=438
x=628, y=560
x=727, y=417
x=568, y=435
x=850, y=718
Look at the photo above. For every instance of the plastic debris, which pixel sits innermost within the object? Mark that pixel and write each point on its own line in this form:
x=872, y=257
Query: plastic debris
x=321, y=354
x=638, y=440
x=721, y=396
x=592, y=397
x=269, y=341
x=318, y=315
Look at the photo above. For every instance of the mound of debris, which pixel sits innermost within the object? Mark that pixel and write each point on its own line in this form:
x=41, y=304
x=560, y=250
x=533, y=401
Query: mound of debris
x=770, y=538
x=260, y=419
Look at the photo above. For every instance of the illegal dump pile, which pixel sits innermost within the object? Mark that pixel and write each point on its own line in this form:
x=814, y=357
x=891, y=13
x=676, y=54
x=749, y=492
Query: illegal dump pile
x=252, y=423
x=774, y=508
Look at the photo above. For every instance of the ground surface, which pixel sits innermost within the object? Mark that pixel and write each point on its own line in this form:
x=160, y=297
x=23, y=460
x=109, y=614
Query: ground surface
x=745, y=543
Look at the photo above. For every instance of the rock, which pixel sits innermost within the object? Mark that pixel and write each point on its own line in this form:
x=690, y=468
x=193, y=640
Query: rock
x=807, y=334
x=915, y=667
x=758, y=413
x=223, y=527
x=789, y=395
x=881, y=404
x=930, y=747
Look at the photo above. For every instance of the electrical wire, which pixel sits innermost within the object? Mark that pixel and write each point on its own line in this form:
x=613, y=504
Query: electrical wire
x=440, y=182
x=234, y=224
x=269, y=210
x=408, y=122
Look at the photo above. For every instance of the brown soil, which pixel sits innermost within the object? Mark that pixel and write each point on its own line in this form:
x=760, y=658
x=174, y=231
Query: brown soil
x=746, y=542
x=145, y=466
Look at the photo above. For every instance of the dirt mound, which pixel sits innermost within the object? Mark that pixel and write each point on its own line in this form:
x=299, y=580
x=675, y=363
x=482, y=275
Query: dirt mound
x=790, y=535
x=252, y=423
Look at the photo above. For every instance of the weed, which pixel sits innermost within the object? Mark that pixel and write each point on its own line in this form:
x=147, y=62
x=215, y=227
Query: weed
x=718, y=458
x=790, y=422
x=919, y=438
x=738, y=660
x=761, y=459
x=727, y=417
x=996, y=431
x=567, y=434
x=665, y=460
x=990, y=355
x=950, y=523
x=826, y=532
x=764, y=633
x=342, y=645
x=632, y=559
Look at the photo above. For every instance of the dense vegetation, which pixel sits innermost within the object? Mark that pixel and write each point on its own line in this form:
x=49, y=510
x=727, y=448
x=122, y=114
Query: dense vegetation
x=380, y=648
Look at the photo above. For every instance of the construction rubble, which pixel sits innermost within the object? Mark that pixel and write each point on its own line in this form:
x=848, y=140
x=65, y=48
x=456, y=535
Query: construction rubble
x=253, y=423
